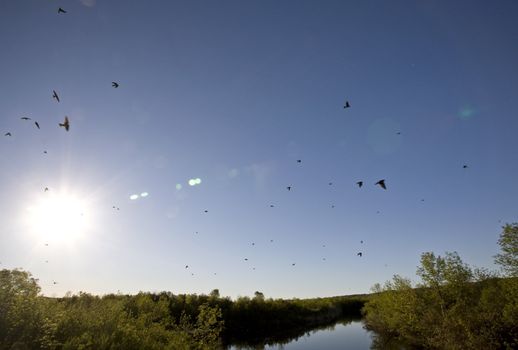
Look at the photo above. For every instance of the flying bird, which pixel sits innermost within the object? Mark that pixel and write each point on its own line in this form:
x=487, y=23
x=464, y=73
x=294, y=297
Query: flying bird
x=464, y=166
x=398, y=133
x=55, y=95
x=271, y=205
x=288, y=188
x=246, y=259
x=37, y=125
x=381, y=183
x=46, y=189
x=8, y=134
x=359, y=254
x=293, y=264
x=54, y=282
x=205, y=211
x=347, y=104
x=115, y=84
x=45, y=152
x=65, y=124
x=361, y=242
x=25, y=118
x=330, y=184
x=186, y=266
x=299, y=160
x=360, y=183
x=60, y=10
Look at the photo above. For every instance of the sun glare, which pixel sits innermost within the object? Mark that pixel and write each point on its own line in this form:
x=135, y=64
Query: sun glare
x=59, y=217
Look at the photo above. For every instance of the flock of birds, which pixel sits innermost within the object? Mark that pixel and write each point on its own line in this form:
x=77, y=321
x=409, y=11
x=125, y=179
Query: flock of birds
x=66, y=125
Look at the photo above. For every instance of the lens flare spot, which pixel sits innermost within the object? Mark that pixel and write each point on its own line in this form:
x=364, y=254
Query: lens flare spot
x=178, y=187
x=144, y=194
x=198, y=181
x=192, y=182
x=466, y=112
x=134, y=197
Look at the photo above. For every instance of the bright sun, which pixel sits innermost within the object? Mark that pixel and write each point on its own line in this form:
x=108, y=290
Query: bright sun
x=58, y=217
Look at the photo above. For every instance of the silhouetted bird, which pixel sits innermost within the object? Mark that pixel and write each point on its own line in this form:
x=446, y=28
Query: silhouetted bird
x=359, y=254
x=246, y=259
x=381, y=183
x=46, y=189
x=55, y=282
x=293, y=264
x=205, y=211
x=114, y=207
x=288, y=188
x=46, y=244
x=464, y=166
x=37, y=125
x=47, y=261
x=65, y=124
x=186, y=266
x=60, y=10
x=115, y=85
x=45, y=152
x=347, y=104
x=55, y=95
x=332, y=205
x=25, y=118
x=361, y=242
x=8, y=134
x=398, y=133
x=271, y=240
x=360, y=183
x=299, y=160
x=271, y=205
x=253, y=243
x=330, y=184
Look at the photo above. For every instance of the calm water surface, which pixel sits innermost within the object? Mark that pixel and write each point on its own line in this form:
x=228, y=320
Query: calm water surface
x=350, y=336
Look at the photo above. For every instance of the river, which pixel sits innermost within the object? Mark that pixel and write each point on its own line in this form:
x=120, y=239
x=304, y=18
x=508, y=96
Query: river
x=343, y=336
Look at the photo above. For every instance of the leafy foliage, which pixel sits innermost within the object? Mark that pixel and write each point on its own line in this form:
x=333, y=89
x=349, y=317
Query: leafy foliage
x=508, y=258
x=152, y=321
x=454, y=307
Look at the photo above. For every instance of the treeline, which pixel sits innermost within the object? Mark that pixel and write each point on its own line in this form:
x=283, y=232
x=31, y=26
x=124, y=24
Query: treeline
x=29, y=320
x=454, y=306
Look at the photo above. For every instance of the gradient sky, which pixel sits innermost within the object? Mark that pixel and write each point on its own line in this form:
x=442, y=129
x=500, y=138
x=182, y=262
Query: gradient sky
x=234, y=93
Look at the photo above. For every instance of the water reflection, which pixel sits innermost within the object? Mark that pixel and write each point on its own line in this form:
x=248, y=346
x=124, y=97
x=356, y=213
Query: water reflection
x=345, y=334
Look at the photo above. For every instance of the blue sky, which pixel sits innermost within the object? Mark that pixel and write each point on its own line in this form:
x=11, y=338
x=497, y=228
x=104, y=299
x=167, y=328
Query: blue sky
x=234, y=93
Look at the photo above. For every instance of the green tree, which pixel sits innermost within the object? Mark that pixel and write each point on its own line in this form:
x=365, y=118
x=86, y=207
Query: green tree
x=21, y=316
x=508, y=258
x=258, y=296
